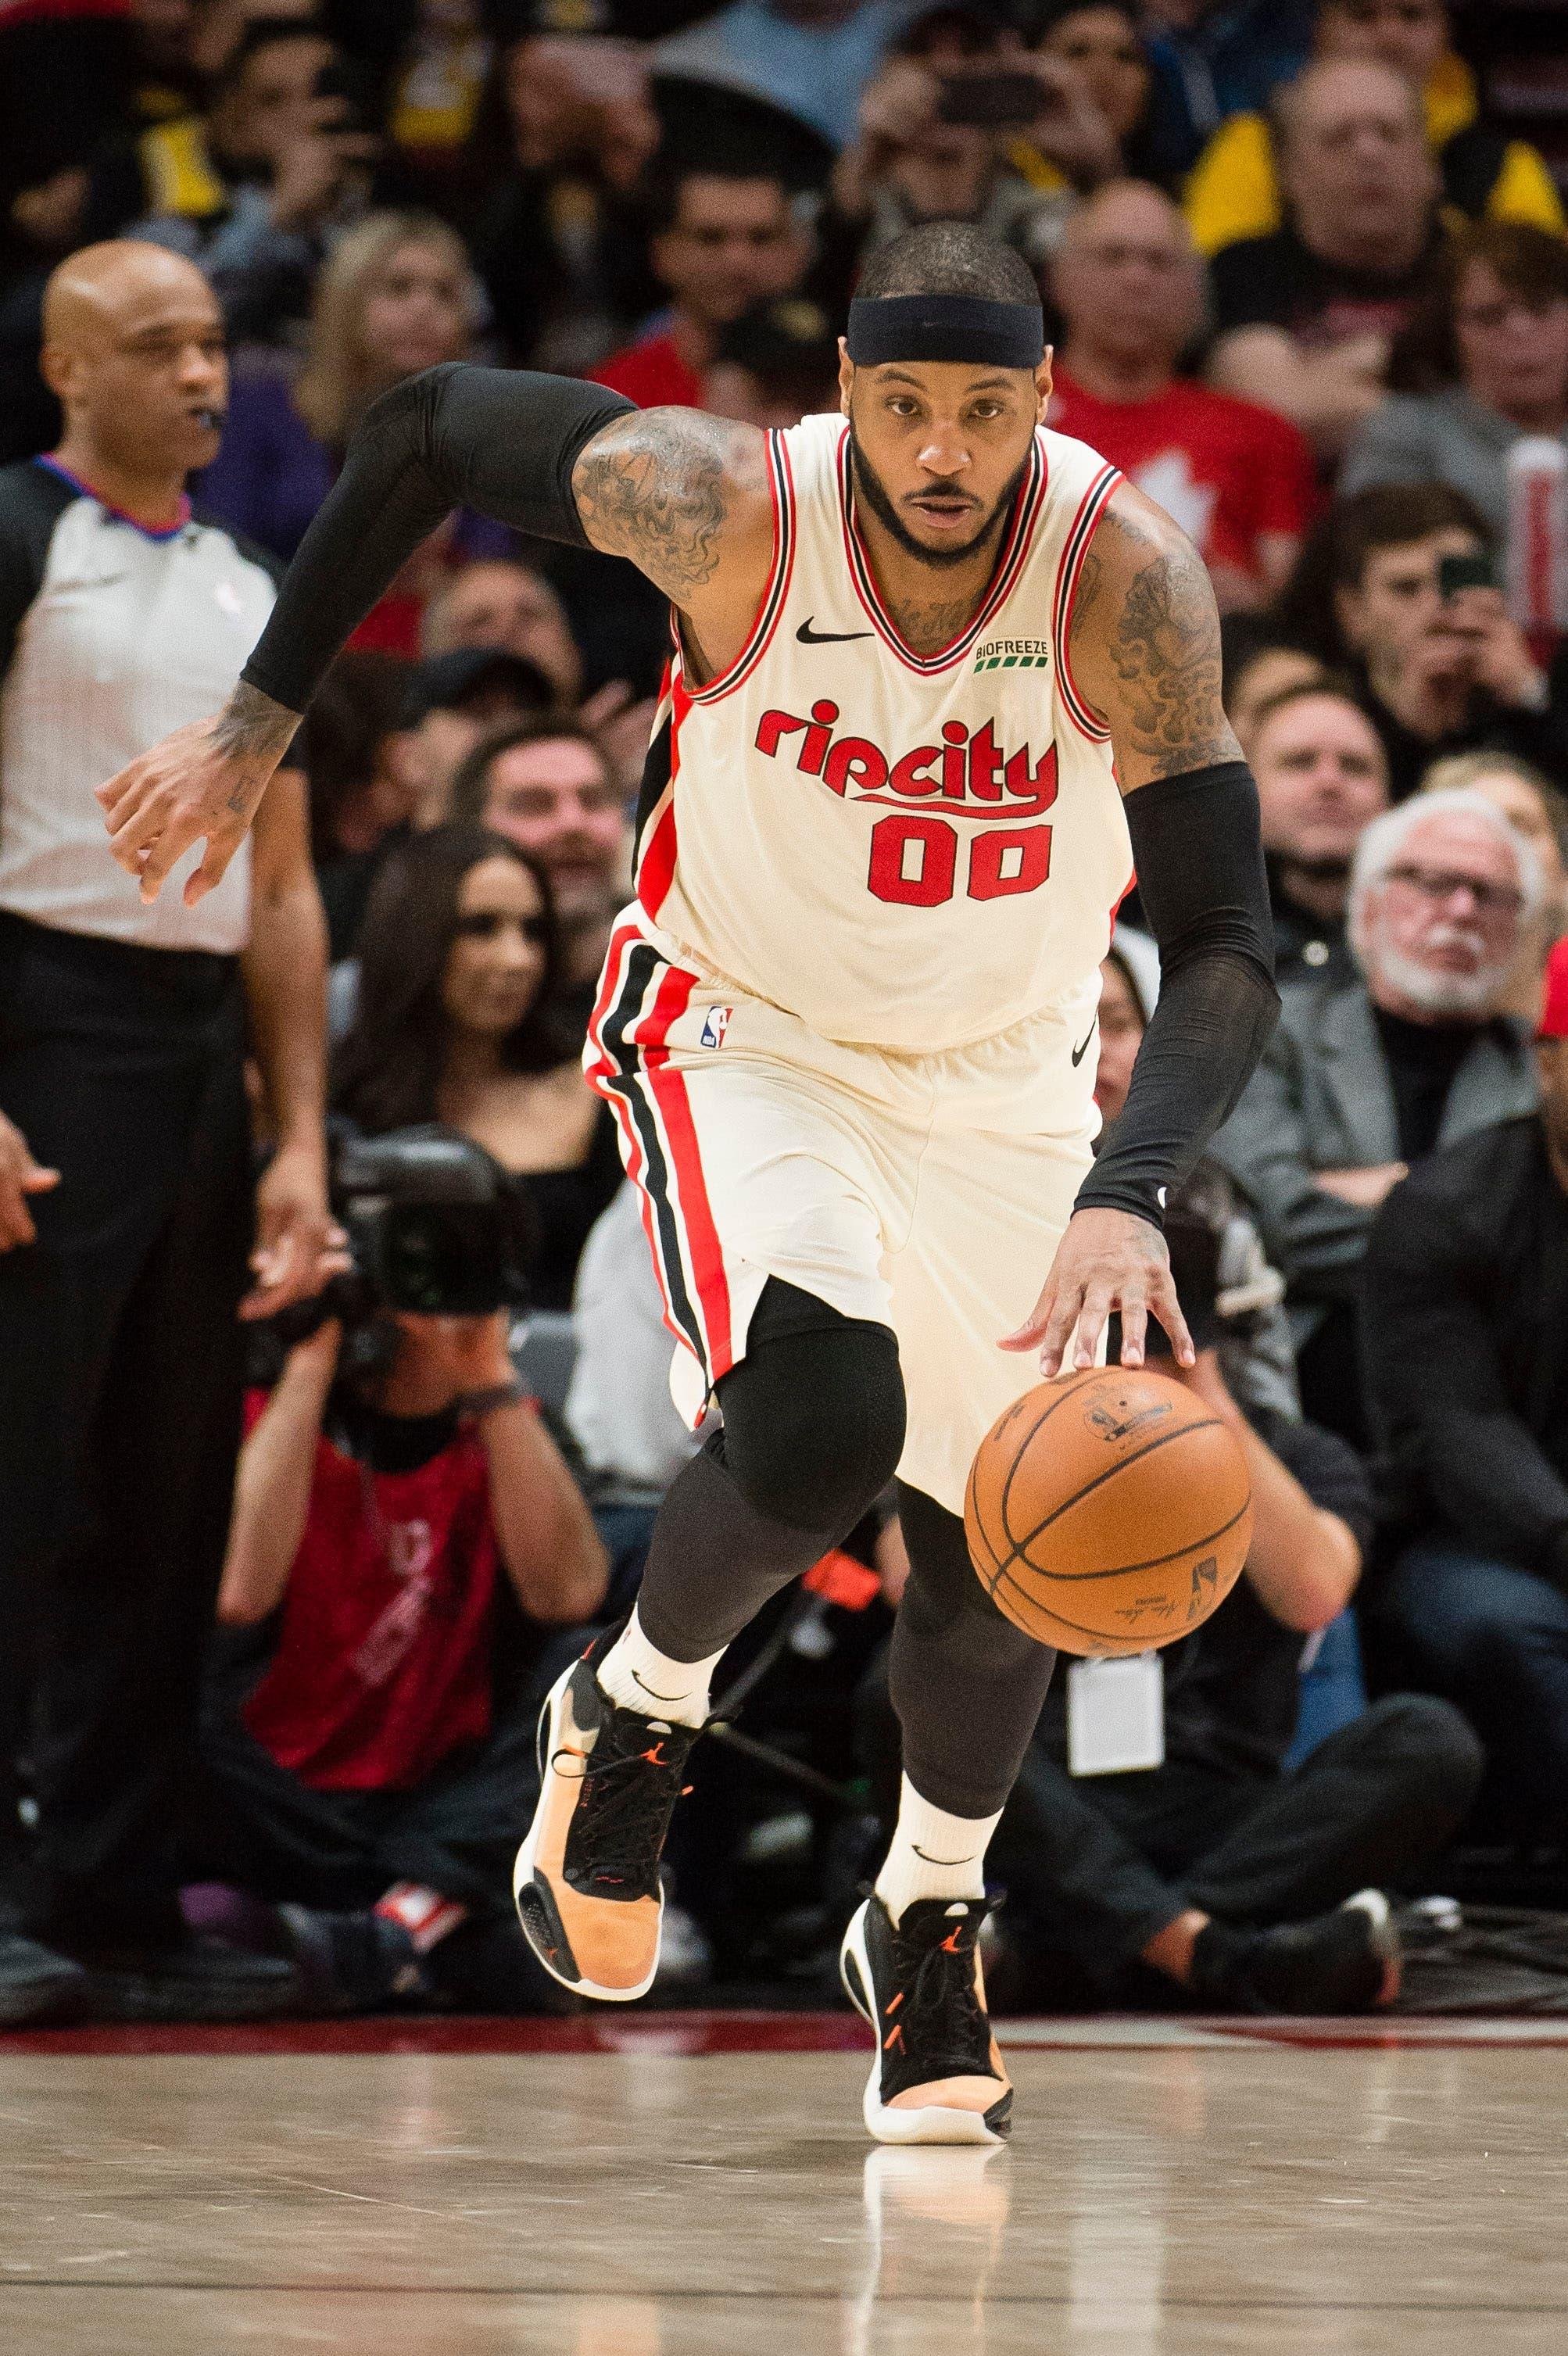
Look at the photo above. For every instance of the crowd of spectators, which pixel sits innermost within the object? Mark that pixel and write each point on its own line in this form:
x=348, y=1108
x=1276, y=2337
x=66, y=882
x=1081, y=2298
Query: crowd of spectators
x=1308, y=292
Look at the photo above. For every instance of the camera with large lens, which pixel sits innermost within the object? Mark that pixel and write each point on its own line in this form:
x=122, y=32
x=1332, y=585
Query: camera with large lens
x=436, y=1227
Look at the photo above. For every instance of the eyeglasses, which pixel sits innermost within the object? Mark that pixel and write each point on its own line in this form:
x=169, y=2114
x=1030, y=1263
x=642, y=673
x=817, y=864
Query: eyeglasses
x=1439, y=884
x=486, y=925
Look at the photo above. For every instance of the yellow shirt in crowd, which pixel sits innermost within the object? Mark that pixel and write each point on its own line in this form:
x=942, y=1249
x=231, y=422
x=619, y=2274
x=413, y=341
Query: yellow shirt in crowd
x=1234, y=190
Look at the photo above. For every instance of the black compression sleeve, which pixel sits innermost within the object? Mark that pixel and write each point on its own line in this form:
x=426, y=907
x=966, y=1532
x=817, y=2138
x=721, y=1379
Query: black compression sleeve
x=501, y=441
x=1199, y=863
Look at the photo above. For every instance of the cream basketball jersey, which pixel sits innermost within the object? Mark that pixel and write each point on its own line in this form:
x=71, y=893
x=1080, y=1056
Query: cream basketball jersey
x=912, y=851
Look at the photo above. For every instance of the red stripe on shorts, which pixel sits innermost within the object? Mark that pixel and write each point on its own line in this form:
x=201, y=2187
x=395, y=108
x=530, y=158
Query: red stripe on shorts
x=669, y=1096
x=599, y=1073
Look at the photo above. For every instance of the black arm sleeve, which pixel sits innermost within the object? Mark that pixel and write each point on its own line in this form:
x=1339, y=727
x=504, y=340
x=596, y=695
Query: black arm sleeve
x=501, y=441
x=1199, y=863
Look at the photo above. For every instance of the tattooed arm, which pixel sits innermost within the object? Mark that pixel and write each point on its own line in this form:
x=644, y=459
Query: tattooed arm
x=683, y=496
x=1145, y=644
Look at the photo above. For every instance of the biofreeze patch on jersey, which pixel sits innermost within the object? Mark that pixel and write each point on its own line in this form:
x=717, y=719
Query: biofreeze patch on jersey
x=1013, y=654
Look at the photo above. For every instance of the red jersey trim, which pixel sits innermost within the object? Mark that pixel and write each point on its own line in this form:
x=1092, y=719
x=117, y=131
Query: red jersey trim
x=1021, y=532
x=1084, y=526
x=781, y=485
x=657, y=845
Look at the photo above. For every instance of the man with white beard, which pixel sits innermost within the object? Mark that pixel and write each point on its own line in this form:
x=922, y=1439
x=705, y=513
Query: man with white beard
x=1361, y=1081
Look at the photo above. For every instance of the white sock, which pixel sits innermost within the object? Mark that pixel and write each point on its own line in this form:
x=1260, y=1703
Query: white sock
x=639, y=1677
x=933, y=1855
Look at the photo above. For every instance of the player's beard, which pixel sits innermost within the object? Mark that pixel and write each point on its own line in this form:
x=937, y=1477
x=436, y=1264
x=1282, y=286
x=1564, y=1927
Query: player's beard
x=869, y=487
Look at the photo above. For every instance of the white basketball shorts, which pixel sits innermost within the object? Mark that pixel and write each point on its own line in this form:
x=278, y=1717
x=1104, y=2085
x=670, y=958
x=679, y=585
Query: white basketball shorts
x=927, y=1193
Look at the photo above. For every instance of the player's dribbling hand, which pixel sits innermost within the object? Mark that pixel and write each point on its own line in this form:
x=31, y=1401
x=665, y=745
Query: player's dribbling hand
x=185, y=788
x=1106, y=1261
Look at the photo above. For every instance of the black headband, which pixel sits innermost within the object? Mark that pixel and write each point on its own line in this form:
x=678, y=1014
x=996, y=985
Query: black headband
x=945, y=327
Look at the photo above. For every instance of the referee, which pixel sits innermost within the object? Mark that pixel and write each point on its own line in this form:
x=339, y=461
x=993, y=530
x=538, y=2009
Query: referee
x=127, y=1210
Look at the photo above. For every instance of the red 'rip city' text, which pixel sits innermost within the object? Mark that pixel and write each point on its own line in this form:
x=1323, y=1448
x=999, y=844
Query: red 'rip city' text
x=964, y=767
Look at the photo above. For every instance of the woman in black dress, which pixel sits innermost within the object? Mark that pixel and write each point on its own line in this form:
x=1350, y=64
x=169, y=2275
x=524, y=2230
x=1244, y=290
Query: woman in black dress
x=457, y=1022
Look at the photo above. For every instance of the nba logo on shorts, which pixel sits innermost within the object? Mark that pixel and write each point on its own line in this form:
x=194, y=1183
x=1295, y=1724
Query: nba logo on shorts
x=716, y=1023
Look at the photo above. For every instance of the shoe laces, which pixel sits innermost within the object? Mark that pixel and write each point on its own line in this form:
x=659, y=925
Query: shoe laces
x=631, y=1781
x=943, y=2021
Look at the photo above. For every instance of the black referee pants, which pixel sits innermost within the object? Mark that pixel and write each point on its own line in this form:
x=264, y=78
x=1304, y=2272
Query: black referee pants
x=120, y=1365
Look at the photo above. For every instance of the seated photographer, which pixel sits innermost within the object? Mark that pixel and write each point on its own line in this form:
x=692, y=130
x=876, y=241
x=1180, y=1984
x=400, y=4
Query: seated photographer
x=406, y=1537
x=456, y=1022
x=1207, y=1868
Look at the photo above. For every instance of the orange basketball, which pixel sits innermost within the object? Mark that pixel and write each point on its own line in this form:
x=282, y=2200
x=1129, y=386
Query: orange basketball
x=1109, y=1511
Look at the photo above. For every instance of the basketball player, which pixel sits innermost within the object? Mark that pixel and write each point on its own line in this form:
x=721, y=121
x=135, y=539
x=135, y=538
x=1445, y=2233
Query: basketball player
x=938, y=675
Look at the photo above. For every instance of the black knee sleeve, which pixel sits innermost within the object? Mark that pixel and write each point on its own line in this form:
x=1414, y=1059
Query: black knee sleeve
x=814, y=1415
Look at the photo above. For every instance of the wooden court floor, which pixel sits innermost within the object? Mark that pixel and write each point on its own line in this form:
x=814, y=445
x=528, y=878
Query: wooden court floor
x=691, y=2186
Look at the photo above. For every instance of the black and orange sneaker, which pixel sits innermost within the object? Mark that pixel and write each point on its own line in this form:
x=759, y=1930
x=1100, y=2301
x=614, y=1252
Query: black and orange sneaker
x=586, y=1878
x=937, y=2076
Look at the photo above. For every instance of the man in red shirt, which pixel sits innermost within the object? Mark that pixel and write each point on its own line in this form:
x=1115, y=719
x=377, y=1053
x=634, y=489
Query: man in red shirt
x=724, y=242
x=372, y=1778
x=1238, y=478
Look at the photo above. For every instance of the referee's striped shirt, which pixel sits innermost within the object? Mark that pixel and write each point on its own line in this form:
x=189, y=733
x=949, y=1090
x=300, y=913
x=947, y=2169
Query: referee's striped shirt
x=110, y=635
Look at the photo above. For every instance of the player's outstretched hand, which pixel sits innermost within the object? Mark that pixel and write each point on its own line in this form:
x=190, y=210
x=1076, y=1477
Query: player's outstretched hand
x=185, y=788
x=1106, y=1260
x=204, y=781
